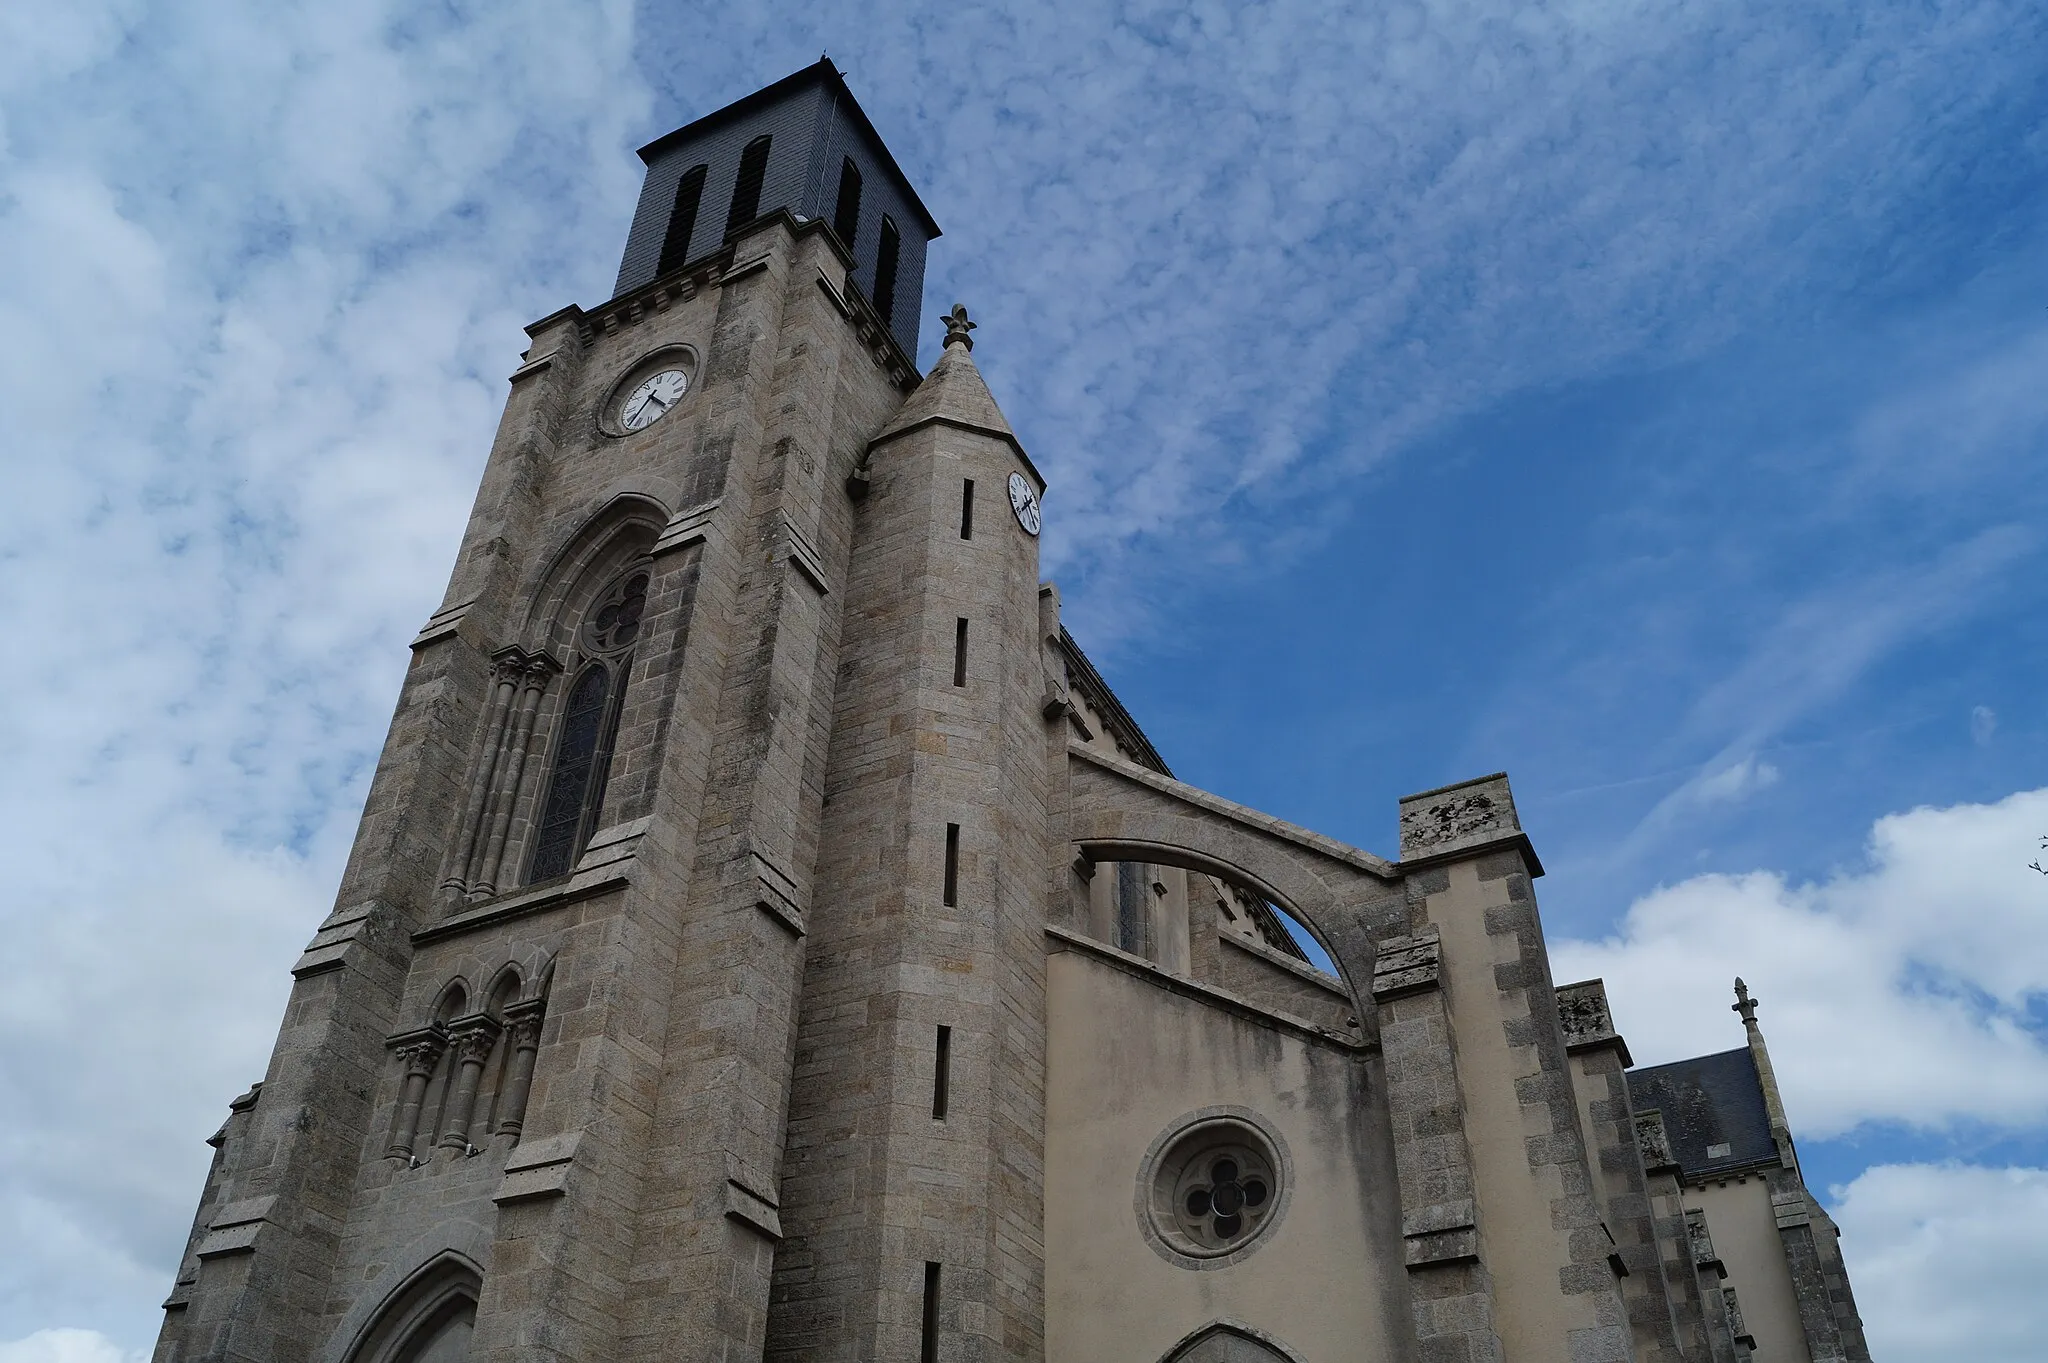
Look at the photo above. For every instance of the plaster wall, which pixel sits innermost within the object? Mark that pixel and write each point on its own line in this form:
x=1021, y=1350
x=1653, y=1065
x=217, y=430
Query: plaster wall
x=1126, y=1059
x=1746, y=1237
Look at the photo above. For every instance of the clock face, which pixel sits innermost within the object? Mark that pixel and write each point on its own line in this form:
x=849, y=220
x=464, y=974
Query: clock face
x=1024, y=502
x=653, y=398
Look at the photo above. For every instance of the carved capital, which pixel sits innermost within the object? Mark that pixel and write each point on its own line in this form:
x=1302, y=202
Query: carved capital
x=474, y=1036
x=523, y=1021
x=508, y=665
x=420, y=1050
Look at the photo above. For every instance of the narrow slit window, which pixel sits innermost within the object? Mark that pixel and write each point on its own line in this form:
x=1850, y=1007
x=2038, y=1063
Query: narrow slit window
x=960, y=653
x=928, y=1346
x=942, y=1067
x=952, y=863
x=846, y=213
x=746, y=190
x=682, y=220
x=885, y=273
x=966, y=508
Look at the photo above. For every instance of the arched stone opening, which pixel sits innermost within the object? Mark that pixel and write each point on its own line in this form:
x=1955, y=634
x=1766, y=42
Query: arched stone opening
x=1230, y=1342
x=427, y=1319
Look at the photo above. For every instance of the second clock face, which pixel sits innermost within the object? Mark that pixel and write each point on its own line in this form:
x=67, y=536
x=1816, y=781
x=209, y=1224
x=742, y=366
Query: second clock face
x=652, y=399
x=1024, y=502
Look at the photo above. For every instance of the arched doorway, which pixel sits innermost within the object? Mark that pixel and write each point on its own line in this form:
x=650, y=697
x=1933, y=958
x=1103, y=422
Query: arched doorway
x=429, y=1319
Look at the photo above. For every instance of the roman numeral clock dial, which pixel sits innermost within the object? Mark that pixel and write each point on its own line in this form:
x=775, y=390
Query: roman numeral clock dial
x=1024, y=502
x=652, y=400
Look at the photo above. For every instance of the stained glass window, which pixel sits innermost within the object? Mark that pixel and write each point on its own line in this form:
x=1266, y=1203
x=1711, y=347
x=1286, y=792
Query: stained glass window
x=576, y=763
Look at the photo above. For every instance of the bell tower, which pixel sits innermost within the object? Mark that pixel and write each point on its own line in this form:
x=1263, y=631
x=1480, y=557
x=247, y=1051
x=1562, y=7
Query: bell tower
x=710, y=821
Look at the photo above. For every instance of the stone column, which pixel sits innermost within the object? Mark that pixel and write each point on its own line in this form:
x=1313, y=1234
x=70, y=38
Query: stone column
x=506, y=669
x=420, y=1052
x=523, y=1021
x=473, y=1039
x=535, y=674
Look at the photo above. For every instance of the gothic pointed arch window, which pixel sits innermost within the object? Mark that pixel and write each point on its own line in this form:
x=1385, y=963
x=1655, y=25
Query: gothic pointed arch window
x=574, y=794
x=428, y=1320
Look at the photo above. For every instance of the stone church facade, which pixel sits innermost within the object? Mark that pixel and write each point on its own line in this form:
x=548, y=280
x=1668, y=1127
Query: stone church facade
x=769, y=938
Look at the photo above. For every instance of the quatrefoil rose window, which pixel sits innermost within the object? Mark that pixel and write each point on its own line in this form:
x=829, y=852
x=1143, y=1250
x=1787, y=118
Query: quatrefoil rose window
x=1211, y=1189
x=615, y=623
x=1225, y=1195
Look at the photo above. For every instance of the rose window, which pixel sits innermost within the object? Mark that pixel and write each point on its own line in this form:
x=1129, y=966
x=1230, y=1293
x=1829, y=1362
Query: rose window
x=1223, y=1198
x=1212, y=1189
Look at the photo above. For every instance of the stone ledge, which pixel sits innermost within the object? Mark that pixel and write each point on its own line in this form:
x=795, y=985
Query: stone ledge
x=236, y=1227
x=749, y=1208
x=1437, y=1248
x=538, y=1169
x=804, y=558
x=442, y=623
x=552, y=896
x=685, y=528
x=333, y=939
x=776, y=894
x=1407, y=965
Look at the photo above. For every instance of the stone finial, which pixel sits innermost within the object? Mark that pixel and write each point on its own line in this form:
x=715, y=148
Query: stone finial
x=958, y=325
x=1743, y=1004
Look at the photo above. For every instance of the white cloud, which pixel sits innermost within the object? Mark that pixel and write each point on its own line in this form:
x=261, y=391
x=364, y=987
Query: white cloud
x=66, y=1346
x=1948, y=1261
x=1736, y=781
x=277, y=258
x=1983, y=724
x=1897, y=991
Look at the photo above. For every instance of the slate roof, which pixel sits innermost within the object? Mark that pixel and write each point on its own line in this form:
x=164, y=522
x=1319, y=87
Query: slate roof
x=1708, y=1101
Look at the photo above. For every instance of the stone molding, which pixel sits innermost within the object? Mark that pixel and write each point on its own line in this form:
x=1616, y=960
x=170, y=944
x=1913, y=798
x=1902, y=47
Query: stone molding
x=1407, y=965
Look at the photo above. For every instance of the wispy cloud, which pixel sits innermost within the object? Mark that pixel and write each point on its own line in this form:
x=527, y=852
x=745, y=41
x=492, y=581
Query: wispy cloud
x=271, y=261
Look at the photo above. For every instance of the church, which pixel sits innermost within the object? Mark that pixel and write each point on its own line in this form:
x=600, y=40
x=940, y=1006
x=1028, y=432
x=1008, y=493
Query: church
x=769, y=938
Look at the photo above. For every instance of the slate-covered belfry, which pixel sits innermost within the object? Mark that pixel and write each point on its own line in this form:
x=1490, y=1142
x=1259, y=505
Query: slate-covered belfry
x=768, y=937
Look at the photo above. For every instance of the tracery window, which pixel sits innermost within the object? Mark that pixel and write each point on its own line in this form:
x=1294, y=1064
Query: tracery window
x=574, y=794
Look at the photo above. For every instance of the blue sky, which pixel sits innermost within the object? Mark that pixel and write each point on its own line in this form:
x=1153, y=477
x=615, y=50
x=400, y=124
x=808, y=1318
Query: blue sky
x=1647, y=399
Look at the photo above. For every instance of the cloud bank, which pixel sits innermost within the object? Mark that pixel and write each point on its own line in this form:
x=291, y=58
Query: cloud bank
x=1903, y=991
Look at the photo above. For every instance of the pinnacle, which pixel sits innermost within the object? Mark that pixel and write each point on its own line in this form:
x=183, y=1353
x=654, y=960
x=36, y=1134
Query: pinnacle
x=953, y=391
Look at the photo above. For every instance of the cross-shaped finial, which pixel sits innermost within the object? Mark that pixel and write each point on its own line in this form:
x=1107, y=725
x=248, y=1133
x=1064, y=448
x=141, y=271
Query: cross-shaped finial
x=958, y=325
x=1743, y=1004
